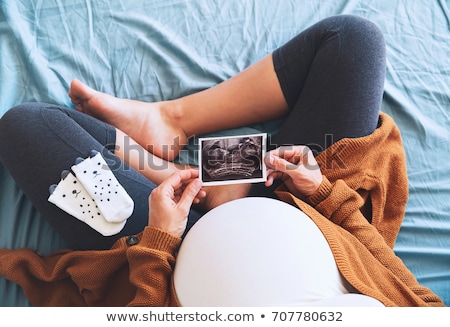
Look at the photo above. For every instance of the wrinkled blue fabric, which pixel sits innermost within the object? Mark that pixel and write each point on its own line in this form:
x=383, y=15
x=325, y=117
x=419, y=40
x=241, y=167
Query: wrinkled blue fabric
x=157, y=50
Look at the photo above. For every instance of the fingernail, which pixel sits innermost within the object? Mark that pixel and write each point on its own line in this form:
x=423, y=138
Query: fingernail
x=272, y=159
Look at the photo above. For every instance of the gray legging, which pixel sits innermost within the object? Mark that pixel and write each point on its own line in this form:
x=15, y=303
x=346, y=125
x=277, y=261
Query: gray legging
x=332, y=76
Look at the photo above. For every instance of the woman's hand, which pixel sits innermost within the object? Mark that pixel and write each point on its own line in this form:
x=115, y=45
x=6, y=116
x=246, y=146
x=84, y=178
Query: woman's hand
x=171, y=201
x=298, y=168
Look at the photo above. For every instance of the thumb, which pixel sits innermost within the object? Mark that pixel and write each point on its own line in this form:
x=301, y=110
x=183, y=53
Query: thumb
x=189, y=194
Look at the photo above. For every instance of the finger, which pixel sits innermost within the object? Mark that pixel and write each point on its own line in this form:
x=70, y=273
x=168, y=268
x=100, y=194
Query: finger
x=189, y=194
x=269, y=180
x=273, y=175
x=200, y=195
x=175, y=181
x=280, y=164
x=175, y=184
x=180, y=187
x=186, y=175
x=194, y=173
x=285, y=152
x=310, y=162
x=294, y=154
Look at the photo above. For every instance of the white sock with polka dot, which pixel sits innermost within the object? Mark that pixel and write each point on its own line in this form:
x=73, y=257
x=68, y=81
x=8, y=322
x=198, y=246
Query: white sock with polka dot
x=111, y=198
x=71, y=196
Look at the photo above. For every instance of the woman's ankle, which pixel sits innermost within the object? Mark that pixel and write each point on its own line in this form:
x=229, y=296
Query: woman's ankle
x=174, y=114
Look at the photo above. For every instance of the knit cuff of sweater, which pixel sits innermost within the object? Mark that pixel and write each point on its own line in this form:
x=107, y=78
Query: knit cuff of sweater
x=313, y=200
x=158, y=239
x=321, y=193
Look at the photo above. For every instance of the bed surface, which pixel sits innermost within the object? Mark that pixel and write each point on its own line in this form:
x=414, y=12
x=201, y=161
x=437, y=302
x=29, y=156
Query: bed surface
x=163, y=49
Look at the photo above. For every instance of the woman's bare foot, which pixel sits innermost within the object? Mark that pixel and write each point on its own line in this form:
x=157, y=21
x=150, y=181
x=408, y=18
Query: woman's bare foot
x=150, y=124
x=217, y=195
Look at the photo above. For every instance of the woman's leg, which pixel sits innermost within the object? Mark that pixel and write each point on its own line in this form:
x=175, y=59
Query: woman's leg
x=163, y=128
x=39, y=141
x=332, y=76
x=329, y=80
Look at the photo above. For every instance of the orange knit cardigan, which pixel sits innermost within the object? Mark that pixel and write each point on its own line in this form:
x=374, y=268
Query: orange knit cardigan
x=359, y=208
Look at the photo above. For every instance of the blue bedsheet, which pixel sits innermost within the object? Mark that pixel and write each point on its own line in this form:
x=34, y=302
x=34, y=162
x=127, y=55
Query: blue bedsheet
x=163, y=49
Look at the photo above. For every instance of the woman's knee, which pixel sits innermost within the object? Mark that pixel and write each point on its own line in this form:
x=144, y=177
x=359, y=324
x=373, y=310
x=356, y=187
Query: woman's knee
x=20, y=121
x=16, y=117
x=358, y=32
x=360, y=46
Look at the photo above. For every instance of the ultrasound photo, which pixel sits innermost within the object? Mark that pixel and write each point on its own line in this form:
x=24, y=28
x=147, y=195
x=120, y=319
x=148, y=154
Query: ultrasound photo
x=232, y=159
